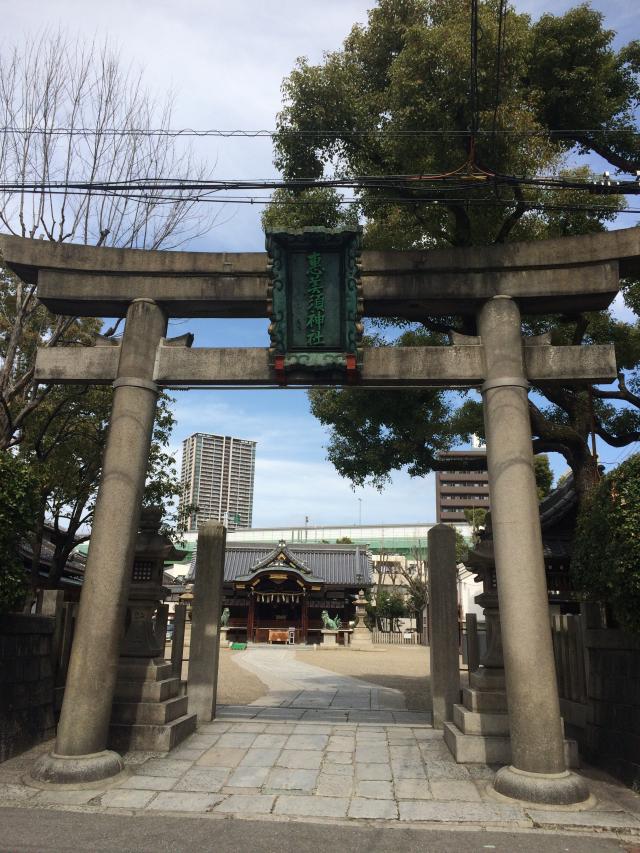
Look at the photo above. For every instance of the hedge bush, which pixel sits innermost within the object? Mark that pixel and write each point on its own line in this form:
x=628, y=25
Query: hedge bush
x=606, y=554
x=18, y=501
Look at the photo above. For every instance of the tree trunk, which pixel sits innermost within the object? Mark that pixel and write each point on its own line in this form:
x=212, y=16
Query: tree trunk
x=585, y=474
x=36, y=544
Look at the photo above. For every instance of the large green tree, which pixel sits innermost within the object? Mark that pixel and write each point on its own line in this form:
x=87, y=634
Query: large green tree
x=396, y=100
x=63, y=445
x=605, y=564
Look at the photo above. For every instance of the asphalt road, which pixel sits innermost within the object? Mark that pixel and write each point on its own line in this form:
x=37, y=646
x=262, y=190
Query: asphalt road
x=44, y=831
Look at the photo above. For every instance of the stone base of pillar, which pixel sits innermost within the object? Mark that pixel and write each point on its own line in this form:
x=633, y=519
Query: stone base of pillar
x=361, y=638
x=558, y=789
x=77, y=769
x=329, y=639
x=479, y=733
x=148, y=711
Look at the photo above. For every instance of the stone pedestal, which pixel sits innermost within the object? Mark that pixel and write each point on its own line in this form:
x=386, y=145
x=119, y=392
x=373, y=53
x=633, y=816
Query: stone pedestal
x=224, y=639
x=329, y=639
x=148, y=712
x=479, y=733
x=361, y=637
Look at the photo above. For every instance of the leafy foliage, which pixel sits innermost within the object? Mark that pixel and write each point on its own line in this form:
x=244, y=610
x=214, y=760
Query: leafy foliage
x=357, y=113
x=543, y=474
x=606, y=554
x=389, y=607
x=18, y=502
x=63, y=444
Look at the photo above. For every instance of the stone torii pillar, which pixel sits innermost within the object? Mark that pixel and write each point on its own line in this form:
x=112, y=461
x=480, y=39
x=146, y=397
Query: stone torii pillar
x=538, y=772
x=80, y=753
x=494, y=283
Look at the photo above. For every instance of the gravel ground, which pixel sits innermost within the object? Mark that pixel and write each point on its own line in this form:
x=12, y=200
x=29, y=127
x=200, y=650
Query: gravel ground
x=405, y=668
x=236, y=686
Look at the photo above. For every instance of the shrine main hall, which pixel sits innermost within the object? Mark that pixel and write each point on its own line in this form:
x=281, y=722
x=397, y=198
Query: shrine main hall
x=272, y=590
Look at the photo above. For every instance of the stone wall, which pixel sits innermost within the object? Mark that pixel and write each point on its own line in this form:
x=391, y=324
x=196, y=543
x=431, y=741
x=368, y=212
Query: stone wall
x=26, y=682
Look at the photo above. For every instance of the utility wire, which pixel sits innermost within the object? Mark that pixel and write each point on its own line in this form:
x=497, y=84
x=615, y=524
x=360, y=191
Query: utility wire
x=458, y=179
x=398, y=200
x=314, y=132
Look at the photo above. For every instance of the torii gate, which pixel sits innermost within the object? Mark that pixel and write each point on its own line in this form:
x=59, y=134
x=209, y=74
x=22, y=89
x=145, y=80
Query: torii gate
x=494, y=284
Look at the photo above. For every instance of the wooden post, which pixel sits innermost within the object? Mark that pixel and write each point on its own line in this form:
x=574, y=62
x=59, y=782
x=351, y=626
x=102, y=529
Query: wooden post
x=305, y=619
x=250, y=618
x=473, y=649
x=177, y=643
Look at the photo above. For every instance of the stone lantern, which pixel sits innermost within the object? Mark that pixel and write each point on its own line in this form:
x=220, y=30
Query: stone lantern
x=361, y=636
x=152, y=550
x=149, y=711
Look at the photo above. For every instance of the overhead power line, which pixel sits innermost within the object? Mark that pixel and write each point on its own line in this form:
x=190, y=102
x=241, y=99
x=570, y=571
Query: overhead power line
x=459, y=179
x=311, y=132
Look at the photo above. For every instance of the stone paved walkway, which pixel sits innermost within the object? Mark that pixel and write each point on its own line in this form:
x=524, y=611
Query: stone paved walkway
x=298, y=770
x=302, y=691
x=275, y=762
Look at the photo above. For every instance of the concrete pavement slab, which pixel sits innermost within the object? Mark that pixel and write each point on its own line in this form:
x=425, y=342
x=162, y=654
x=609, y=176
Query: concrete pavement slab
x=247, y=777
x=586, y=819
x=123, y=799
x=376, y=809
x=373, y=772
x=453, y=812
x=374, y=790
x=307, y=742
x=412, y=789
x=65, y=798
x=306, y=759
x=219, y=757
x=164, y=767
x=312, y=806
x=329, y=785
x=207, y=779
x=259, y=757
x=243, y=804
x=456, y=790
x=177, y=801
x=283, y=779
x=150, y=783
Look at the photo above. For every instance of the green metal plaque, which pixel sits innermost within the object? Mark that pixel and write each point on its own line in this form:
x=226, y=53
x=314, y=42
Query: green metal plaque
x=315, y=301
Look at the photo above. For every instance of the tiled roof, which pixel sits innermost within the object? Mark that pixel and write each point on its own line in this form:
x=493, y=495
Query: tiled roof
x=337, y=565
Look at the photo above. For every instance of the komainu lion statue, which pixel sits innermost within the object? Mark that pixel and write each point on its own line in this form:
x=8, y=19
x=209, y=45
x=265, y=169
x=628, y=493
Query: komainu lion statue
x=329, y=623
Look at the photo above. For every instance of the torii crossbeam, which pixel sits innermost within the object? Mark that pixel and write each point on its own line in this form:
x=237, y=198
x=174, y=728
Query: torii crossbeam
x=494, y=284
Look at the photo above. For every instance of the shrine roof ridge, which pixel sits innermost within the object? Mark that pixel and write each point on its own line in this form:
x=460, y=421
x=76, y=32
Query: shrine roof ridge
x=336, y=565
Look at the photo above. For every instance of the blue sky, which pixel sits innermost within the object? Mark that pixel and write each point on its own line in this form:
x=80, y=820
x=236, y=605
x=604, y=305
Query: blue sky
x=225, y=62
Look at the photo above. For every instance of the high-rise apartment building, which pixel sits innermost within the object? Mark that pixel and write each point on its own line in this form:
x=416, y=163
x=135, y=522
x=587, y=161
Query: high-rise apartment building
x=460, y=490
x=217, y=478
